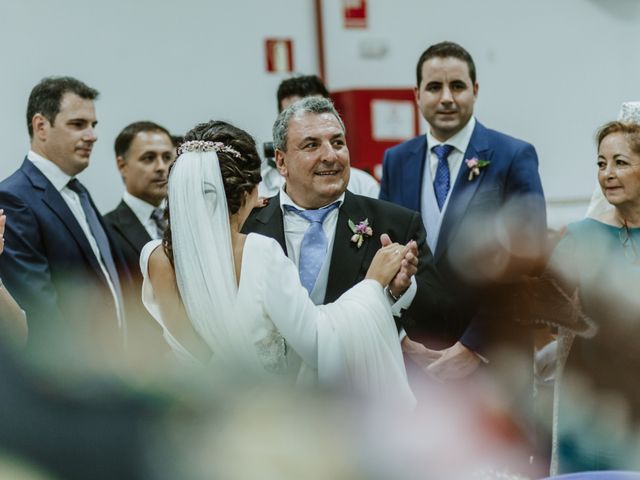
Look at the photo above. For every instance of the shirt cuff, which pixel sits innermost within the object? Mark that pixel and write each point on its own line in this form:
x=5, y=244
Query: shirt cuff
x=404, y=301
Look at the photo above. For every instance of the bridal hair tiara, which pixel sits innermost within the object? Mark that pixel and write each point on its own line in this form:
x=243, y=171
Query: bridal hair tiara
x=206, y=146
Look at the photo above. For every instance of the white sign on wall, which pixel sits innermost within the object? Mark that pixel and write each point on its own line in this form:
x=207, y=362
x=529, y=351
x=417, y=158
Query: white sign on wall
x=392, y=120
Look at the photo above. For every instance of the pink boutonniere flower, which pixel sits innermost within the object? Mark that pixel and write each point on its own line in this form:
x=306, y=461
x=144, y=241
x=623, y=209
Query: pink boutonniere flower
x=474, y=165
x=360, y=231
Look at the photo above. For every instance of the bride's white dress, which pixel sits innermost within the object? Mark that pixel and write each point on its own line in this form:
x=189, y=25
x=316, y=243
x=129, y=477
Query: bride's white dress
x=352, y=341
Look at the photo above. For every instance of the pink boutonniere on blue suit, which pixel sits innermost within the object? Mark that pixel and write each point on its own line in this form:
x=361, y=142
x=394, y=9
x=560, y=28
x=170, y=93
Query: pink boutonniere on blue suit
x=474, y=165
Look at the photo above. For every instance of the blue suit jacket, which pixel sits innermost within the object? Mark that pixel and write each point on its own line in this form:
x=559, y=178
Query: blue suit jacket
x=511, y=179
x=50, y=269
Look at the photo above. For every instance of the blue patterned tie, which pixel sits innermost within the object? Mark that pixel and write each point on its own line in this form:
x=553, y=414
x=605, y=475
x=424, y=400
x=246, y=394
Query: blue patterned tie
x=313, y=249
x=100, y=237
x=442, y=182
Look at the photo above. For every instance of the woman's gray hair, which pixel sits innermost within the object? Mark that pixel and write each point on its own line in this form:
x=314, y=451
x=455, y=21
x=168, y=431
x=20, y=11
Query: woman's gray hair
x=316, y=105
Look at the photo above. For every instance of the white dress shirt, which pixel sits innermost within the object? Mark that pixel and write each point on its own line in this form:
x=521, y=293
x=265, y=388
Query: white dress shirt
x=294, y=229
x=142, y=210
x=460, y=142
x=59, y=180
x=431, y=215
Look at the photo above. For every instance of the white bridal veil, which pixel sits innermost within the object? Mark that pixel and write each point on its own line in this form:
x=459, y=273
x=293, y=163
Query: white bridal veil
x=203, y=255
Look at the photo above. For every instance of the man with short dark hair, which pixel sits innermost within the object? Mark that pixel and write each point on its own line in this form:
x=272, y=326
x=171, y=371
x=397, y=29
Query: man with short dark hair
x=144, y=152
x=295, y=88
x=290, y=91
x=470, y=184
x=59, y=262
x=312, y=156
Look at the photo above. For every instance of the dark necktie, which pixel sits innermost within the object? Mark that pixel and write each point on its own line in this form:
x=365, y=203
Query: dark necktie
x=100, y=237
x=442, y=181
x=313, y=249
x=158, y=219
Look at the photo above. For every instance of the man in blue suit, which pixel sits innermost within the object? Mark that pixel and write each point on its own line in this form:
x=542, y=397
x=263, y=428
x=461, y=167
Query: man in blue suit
x=59, y=260
x=479, y=194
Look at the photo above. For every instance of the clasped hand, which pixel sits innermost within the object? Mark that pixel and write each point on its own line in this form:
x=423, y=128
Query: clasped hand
x=453, y=363
x=408, y=266
x=394, y=265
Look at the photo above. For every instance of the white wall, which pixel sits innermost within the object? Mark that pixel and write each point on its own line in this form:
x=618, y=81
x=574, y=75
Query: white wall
x=550, y=71
x=173, y=63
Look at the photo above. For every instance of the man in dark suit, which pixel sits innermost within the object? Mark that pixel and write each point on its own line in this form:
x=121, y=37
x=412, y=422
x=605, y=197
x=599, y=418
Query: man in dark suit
x=312, y=156
x=59, y=262
x=479, y=194
x=144, y=153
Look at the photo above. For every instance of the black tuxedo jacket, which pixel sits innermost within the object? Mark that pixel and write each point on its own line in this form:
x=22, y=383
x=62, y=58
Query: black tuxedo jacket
x=349, y=263
x=131, y=237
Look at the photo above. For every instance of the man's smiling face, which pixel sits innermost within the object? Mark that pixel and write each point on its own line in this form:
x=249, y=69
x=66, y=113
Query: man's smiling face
x=316, y=161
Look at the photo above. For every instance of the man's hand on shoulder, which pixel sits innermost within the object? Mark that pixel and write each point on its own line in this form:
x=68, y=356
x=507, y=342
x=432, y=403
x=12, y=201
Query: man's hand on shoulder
x=261, y=202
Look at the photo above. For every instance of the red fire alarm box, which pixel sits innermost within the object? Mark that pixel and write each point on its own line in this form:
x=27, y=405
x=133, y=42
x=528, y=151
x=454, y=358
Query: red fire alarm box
x=355, y=13
x=279, y=54
x=376, y=120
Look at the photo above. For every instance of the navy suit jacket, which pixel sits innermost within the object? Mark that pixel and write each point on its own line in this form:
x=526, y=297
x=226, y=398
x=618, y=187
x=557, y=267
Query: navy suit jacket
x=511, y=181
x=51, y=270
x=349, y=264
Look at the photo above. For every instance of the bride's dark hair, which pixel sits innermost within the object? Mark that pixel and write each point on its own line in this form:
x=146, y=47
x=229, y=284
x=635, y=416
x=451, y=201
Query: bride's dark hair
x=239, y=175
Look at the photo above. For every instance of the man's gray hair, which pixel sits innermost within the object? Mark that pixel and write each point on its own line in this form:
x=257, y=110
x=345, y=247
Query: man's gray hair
x=316, y=105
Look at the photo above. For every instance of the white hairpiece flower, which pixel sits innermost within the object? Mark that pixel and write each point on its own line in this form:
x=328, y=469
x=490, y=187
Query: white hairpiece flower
x=630, y=112
x=206, y=146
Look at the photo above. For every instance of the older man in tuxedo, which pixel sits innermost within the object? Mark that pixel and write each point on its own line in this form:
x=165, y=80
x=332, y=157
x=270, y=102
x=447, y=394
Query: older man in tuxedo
x=59, y=262
x=323, y=227
x=144, y=152
x=479, y=194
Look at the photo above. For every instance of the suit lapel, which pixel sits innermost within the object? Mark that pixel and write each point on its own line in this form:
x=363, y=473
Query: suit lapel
x=413, y=170
x=268, y=222
x=463, y=190
x=347, y=258
x=130, y=227
x=54, y=201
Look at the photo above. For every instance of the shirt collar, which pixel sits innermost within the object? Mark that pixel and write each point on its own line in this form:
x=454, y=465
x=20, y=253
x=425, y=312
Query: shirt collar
x=286, y=200
x=140, y=208
x=460, y=141
x=54, y=174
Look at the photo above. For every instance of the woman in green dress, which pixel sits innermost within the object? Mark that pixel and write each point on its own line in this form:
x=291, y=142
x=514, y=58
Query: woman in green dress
x=599, y=392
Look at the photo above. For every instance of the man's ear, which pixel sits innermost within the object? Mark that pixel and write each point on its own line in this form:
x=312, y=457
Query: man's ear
x=40, y=125
x=416, y=95
x=280, y=163
x=122, y=165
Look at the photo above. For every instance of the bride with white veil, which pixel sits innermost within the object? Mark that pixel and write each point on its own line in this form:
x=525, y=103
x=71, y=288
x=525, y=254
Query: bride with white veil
x=235, y=301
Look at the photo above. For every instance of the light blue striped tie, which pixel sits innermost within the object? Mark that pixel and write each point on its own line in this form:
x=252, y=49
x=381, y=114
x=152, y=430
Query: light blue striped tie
x=313, y=249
